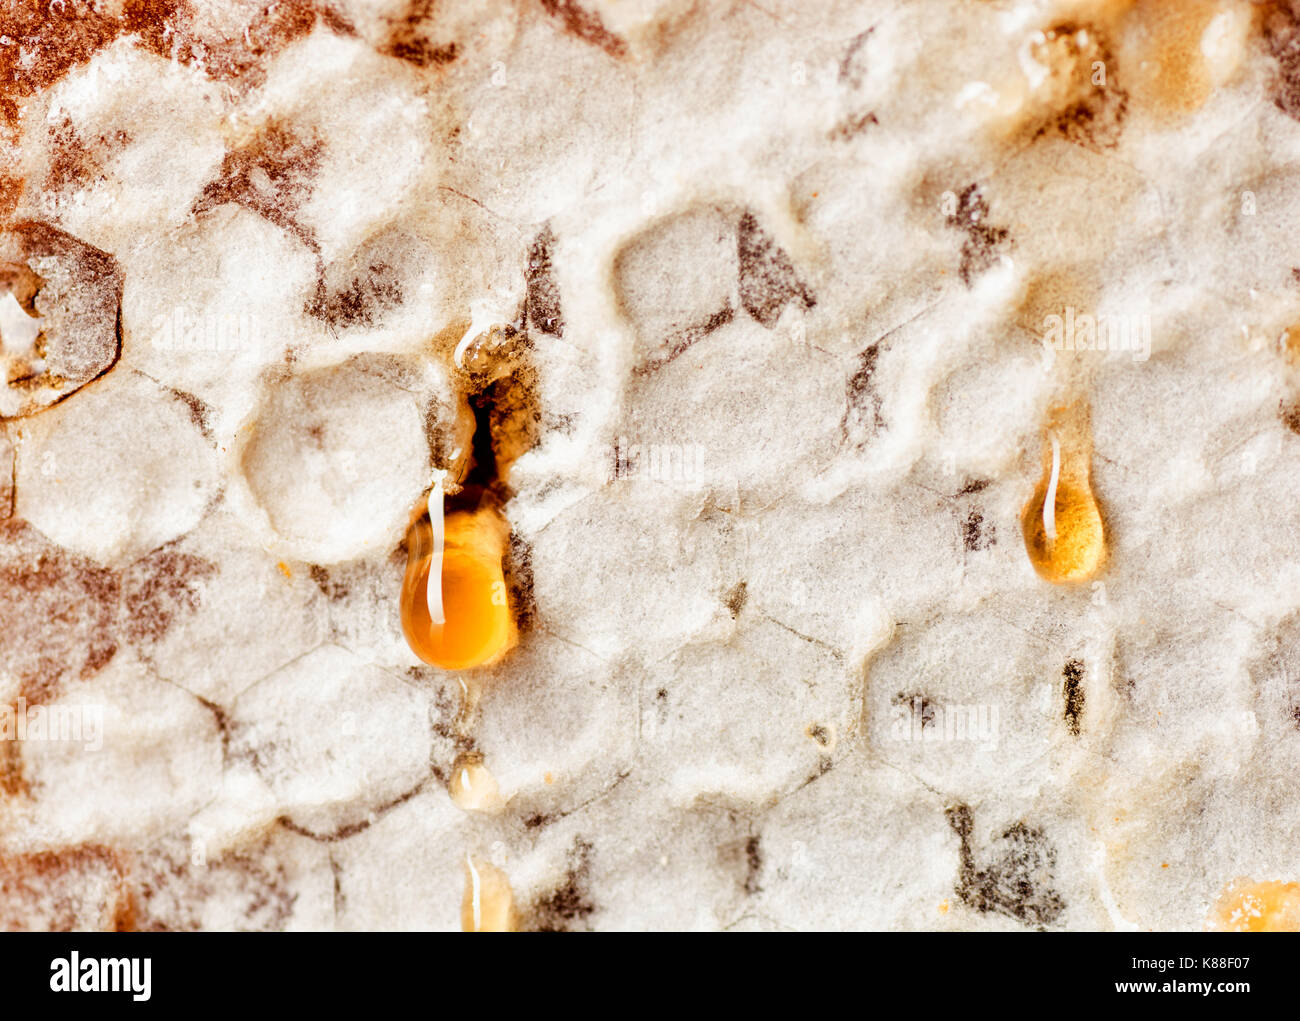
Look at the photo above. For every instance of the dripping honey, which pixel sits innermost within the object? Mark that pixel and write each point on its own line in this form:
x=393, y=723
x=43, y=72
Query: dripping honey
x=489, y=903
x=478, y=626
x=472, y=787
x=1064, y=535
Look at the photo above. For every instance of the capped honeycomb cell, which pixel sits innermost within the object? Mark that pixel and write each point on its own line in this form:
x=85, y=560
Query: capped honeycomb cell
x=59, y=324
x=314, y=464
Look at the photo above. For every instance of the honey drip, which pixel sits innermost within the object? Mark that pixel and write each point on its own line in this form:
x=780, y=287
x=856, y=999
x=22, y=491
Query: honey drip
x=478, y=627
x=472, y=787
x=1064, y=535
x=489, y=903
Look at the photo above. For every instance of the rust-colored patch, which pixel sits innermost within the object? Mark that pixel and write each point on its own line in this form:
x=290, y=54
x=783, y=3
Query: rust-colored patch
x=74, y=160
x=45, y=41
x=768, y=281
x=13, y=783
x=407, y=40
x=585, y=25
x=160, y=587
x=1084, y=111
x=49, y=39
x=11, y=190
x=8, y=466
x=160, y=25
x=65, y=616
x=1289, y=412
x=243, y=57
x=72, y=889
x=199, y=410
x=71, y=163
x=363, y=302
x=1281, y=31
x=544, y=311
x=421, y=52
x=271, y=176
x=170, y=889
x=59, y=611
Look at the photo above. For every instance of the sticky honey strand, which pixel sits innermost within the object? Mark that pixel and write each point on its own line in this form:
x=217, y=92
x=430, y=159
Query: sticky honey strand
x=478, y=626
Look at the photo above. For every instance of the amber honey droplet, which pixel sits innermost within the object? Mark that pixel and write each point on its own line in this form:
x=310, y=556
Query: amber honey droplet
x=473, y=787
x=489, y=903
x=1064, y=535
x=1246, y=906
x=478, y=627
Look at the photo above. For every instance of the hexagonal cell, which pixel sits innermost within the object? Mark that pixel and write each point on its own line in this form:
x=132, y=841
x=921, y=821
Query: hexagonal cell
x=187, y=612
x=663, y=305
x=233, y=318
x=382, y=288
x=584, y=560
x=337, y=739
x=686, y=410
x=63, y=330
x=117, y=472
x=336, y=459
x=969, y=704
x=363, y=608
x=150, y=751
x=890, y=863
x=113, y=171
x=375, y=123
x=680, y=870
x=561, y=730
x=424, y=840
x=767, y=745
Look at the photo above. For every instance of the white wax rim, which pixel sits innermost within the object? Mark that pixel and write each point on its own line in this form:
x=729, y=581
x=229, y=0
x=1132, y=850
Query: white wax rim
x=1049, y=502
x=433, y=592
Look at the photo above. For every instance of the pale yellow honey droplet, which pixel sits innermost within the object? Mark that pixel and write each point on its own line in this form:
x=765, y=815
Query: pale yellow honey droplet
x=489, y=903
x=472, y=787
x=478, y=626
x=1246, y=906
x=1064, y=535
